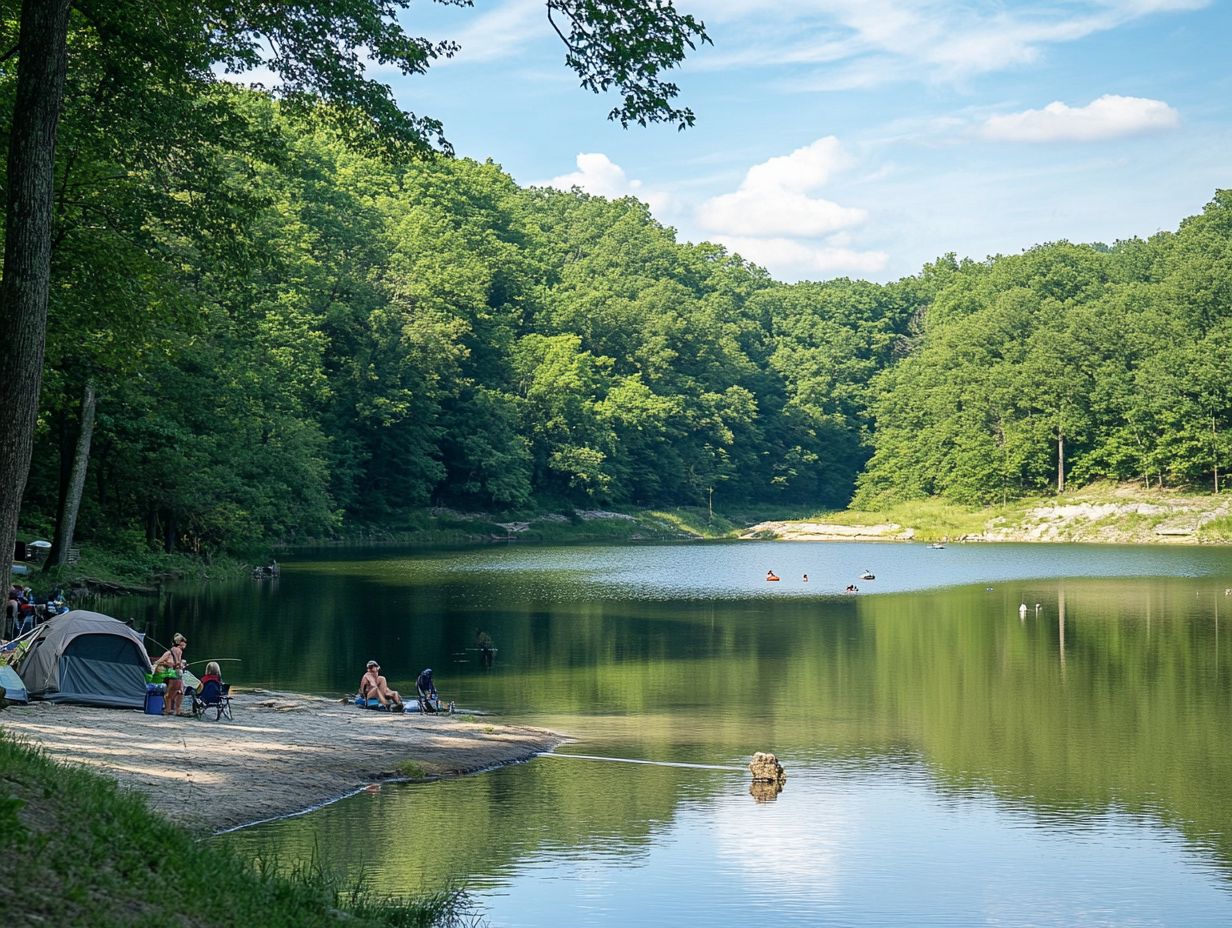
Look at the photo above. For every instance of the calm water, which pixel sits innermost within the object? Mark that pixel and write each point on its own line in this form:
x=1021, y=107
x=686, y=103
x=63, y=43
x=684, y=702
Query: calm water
x=950, y=761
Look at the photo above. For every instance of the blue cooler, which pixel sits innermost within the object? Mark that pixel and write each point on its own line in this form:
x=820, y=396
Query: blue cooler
x=154, y=698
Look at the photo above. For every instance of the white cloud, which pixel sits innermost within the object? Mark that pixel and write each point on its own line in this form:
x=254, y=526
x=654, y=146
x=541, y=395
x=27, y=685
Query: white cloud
x=502, y=33
x=775, y=218
x=865, y=43
x=789, y=259
x=597, y=174
x=774, y=197
x=1108, y=117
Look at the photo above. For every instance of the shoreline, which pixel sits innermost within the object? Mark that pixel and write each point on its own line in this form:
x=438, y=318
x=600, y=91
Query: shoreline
x=1090, y=516
x=284, y=754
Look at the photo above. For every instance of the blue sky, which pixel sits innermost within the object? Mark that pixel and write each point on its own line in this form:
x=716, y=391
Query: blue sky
x=864, y=138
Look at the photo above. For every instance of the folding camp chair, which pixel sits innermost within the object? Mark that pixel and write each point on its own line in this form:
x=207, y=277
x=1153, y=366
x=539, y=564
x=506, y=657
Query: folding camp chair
x=215, y=696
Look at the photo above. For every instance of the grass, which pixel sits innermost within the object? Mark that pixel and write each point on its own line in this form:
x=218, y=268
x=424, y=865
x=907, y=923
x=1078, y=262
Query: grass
x=126, y=568
x=694, y=522
x=1217, y=531
x=935, y=519
x=80, y=852
x=932, y=519
x=412, y=770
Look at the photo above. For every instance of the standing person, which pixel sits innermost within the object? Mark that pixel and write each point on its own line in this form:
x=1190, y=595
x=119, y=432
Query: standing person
x=12, y=608
x=172, y=664
x=373, y=684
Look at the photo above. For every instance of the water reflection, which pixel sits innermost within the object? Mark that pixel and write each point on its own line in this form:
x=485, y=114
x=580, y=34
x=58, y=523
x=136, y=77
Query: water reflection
x=949, y=752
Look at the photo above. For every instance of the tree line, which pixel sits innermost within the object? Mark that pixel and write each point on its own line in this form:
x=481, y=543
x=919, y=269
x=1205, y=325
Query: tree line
x=285, y=334
x=1065, y=363
x=259, y=332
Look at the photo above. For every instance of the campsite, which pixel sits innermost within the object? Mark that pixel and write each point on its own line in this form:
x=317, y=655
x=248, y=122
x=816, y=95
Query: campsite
x=283, y=753
x=85, y=658
x=279, y=754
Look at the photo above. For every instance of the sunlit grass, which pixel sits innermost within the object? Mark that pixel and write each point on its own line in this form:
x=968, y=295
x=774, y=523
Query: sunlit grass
x=936, y=520
x=1217, y=531
x=931, y=519
x=698, y=523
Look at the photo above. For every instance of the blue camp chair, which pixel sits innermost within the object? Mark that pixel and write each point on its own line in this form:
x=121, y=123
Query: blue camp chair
x=215, y=696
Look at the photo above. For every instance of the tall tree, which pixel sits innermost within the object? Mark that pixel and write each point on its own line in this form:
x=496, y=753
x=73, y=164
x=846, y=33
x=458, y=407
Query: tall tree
x=313, y=46
x=27, y=249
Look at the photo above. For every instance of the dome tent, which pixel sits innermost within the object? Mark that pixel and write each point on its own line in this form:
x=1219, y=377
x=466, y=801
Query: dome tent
x=87, y=658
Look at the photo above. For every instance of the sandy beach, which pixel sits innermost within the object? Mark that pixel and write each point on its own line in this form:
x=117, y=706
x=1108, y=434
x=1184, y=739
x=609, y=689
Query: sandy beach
x=282, y=754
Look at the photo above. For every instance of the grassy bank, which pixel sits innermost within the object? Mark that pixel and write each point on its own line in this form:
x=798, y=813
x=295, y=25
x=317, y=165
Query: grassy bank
x=564, y=525
x=1102, y=514
x=78, y=851
x=100, y=569
x=125, y=565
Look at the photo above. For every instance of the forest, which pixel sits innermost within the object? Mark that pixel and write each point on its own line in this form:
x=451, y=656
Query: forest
x=261, y=333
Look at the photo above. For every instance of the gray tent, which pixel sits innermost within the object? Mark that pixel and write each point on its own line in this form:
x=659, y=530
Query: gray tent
x=14, y=689
x=88, y=658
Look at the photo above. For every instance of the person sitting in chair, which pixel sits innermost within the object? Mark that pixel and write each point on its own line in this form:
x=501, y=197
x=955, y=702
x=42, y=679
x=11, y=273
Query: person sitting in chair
x=428, y=700
x=214, y=694
x=213, y=674
x=374, y=686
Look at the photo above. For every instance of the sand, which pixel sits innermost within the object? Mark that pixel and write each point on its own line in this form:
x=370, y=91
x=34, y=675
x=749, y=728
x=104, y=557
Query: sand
x=282, y=754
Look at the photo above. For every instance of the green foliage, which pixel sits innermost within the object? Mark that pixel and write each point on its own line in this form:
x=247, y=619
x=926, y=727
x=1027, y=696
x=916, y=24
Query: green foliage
x=1217, y=531
x=627, y=45
x=289, y=336
x=103, y=858
x=1065, y=362
x=411, y=770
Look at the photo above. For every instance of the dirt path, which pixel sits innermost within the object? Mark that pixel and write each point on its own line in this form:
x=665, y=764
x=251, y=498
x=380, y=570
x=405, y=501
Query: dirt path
x=283, y=753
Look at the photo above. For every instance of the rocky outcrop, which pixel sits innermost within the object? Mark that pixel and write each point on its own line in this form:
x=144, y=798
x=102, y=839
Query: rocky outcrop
x=1120, y=516
x=828, y=531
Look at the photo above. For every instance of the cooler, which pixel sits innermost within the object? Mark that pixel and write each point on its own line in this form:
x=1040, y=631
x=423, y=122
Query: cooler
x=154, y=698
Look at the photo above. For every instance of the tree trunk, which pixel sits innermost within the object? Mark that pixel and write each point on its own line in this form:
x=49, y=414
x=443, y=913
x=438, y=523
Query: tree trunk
x=1215, y=453
x=70, y=503
x=27, y=249
x=1060, y=462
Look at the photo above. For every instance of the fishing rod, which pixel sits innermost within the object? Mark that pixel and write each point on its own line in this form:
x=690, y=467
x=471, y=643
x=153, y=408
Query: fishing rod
x=217, y=659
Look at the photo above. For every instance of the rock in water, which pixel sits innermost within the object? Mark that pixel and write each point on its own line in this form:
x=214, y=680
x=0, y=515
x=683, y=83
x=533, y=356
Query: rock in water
x=765, y=792
x=766, y=768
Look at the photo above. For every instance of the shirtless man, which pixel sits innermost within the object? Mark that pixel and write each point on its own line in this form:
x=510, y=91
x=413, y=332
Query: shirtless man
x=373, y=684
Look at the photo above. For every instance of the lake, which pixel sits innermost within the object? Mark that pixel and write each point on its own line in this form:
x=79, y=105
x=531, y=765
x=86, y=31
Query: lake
x=952, y=758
